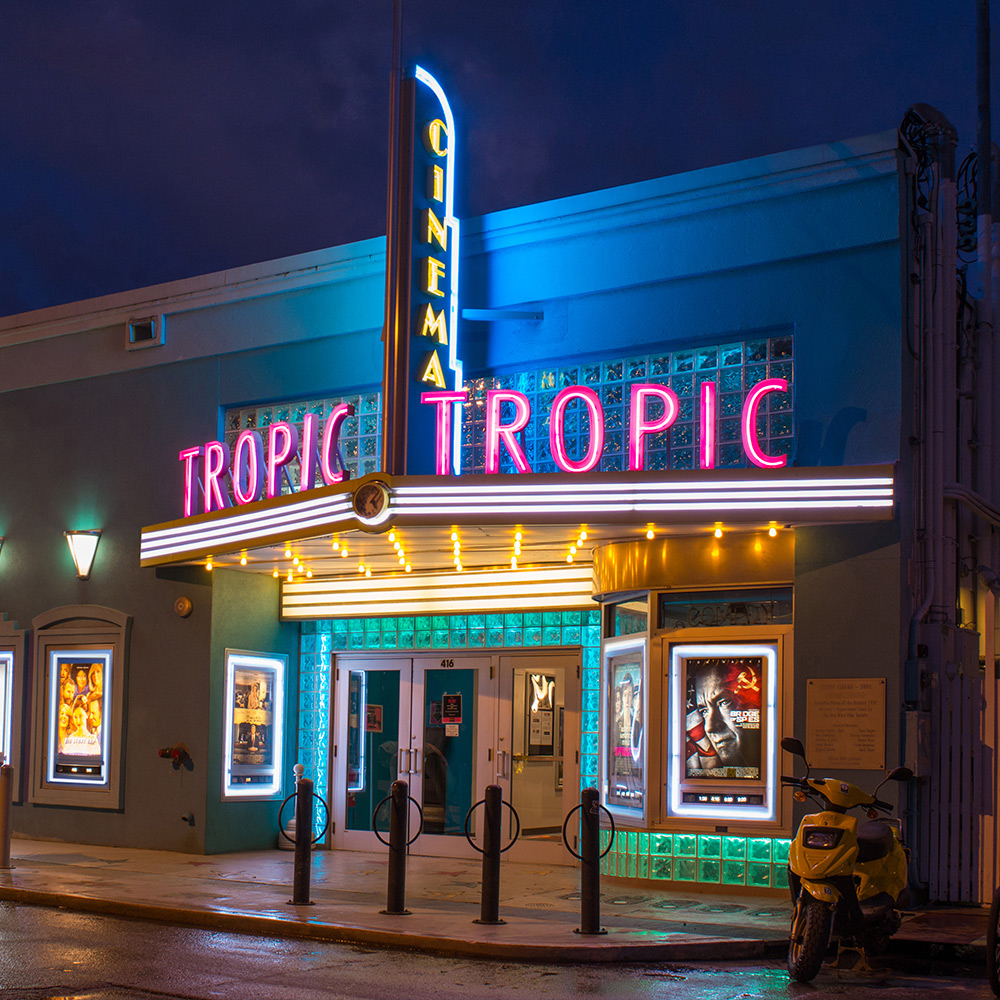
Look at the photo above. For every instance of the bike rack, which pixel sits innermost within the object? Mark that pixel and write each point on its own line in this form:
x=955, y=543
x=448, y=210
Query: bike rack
x=590, y=859
x=398, y=798
x=301, y=878
x=489, y=912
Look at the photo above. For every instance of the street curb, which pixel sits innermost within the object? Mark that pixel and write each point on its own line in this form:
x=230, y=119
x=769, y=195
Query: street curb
x=572, y=950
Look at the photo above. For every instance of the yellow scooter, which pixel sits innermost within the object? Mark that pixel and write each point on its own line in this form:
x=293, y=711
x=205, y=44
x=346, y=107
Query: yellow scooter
x=848, y=881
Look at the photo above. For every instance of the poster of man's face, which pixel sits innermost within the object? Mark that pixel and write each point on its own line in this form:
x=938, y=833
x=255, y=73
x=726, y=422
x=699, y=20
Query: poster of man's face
x=724, y=717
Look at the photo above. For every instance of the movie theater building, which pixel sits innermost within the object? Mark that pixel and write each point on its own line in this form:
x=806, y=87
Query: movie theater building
x=630, y=492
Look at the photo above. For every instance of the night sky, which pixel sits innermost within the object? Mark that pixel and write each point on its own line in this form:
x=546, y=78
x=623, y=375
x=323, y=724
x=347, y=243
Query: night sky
x=146, y=141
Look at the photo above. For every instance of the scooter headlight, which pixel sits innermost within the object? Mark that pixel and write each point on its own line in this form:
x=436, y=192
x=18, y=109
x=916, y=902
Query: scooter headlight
x=821, y=837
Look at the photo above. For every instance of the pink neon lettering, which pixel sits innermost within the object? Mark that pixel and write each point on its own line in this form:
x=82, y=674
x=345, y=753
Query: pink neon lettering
x=640, y=426
x=331, y=445
x=707, y=448
x=190, y=456
x=279, y=455
x=445, y=402
x=495, y=430
x=557, y=429
x=307, y=452
x=216, y=463
x=248, y=467
x=748, y=424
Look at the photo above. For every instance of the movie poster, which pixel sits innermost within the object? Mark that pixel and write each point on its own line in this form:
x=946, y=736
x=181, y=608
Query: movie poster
x=253, y=717
x=625, y=727
x=6, y=699
x=724, y=717
x=79, y=714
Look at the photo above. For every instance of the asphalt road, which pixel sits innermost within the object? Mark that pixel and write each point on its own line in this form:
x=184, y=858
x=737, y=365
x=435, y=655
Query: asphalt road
x=49, y=953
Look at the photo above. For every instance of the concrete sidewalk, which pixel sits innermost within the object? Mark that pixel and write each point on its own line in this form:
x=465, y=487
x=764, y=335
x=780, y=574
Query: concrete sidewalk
x=249, y=892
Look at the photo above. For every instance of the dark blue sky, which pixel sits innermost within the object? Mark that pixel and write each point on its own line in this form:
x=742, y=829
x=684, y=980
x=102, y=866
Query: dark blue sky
x=143, y=141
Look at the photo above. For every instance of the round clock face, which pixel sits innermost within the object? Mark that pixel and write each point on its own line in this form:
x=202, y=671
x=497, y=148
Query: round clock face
x=370, y=501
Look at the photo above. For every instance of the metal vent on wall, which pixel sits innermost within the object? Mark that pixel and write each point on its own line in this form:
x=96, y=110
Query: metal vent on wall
x=145, y=331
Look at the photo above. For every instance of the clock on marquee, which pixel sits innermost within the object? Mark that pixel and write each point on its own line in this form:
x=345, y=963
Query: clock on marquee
x=371, y=501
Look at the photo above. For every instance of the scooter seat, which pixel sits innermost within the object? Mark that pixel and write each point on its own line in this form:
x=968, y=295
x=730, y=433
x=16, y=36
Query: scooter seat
x=874, y=840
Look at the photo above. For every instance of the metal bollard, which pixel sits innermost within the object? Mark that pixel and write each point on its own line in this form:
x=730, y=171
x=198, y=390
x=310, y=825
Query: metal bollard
x=590, y=863
x=399, y=804
x=6, y=819
x=489, y=911
x=303, y=843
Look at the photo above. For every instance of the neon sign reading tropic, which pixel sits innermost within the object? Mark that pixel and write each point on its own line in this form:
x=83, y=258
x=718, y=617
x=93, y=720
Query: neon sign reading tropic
x=641, y=425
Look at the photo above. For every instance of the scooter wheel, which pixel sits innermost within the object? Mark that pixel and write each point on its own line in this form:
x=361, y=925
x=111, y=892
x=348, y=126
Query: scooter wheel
x=808, y=938
x=993, y=944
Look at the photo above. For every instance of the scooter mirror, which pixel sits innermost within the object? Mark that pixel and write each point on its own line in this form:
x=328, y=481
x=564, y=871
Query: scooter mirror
x=792, y=745
x=899, y=774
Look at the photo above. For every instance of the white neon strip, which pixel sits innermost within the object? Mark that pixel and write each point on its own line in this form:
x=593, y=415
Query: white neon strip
x=567, y=508
x=431, y=607
x=6, y=703
x=362, y=727
x=501, y=579
x=250, y=661
x=674, y=756
x=91, y=655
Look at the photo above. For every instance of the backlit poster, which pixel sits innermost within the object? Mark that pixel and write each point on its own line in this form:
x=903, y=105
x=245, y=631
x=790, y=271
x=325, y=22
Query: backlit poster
x=78, y=715
x=6, y=702
x=254, y=715
x=624, y=756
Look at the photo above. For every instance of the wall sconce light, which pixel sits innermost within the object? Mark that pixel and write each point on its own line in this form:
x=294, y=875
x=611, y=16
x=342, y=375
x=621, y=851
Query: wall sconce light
x=83, y=546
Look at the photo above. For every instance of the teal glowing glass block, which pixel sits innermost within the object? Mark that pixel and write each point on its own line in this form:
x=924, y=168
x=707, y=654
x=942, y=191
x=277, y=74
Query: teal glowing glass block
x=424, y=639
x=642, y=871
x=513, y=620
x=373, y=640
x=551, y=636
x=477, y=638
x=779, y=850
x=603, y=838
x=494, y=636
x=685, y=845
x=571, y=618
x=373, y=625
x=340, y=641
x=661, y=843
x=758, y=876
x=591, y=678
x=512, y=637
x=588, y=743
x=356, y=640
x=533, y=619
x=532, y=636
x=779, y=876
x=389, y=640
x=709, y=846
x=734, y=873
x=308, y=628
x=307, y=703
x=439, y=623
x=662, y=867
x=591, y=700
x=552, y=618
x=588, y=765
x=307, y=662
x=630, y=870
x=494, y=621
x=459, y=623
x=589, y=722
x=606, y=864
x=685, y=869
x=631, y=842
x=571, y=635
x=734, y=848
x=355, y=625
x=591, y=635
x=339, y=626
x=389, y=624
x=459, y=639
x=642, y=844
x=406, y=640
x=423, y=623
x=307, y=643
x=759, y=850
x=440, y=637
x=477, y=621
x=593, y=616
x=592, y=659
x=709, y=871
x=406, y=623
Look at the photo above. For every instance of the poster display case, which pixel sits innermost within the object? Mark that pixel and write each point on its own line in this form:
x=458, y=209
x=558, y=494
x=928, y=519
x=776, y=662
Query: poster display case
x=722, y=739
x=254, y=724
x=624, y=687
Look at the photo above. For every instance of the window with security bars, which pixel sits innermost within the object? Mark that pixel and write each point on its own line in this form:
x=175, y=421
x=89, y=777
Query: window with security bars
x=360, y=435
x=736, y=367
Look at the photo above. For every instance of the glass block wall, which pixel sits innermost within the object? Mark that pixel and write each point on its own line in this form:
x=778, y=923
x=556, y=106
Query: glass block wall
x=735, y=368
x=529, y=629
x=758, y=862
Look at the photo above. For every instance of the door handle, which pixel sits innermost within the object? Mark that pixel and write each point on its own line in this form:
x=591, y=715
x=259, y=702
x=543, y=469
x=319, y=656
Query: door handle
x=503, y=759
x=402, y=768
x=416, y=761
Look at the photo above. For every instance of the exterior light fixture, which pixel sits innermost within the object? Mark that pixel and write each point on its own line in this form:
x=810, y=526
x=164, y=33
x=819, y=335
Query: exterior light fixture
x=243, y=560
x=772, y=531
x=275, y=574
x=650, y=534
x=209, y=565
x=718, y=532
x=83, y=547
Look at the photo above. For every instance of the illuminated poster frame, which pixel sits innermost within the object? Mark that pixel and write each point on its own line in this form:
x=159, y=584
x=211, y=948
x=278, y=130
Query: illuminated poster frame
x=253, y=727
x=6, y=703
x=701, y=688
x=624, y=773
x=12, y=698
